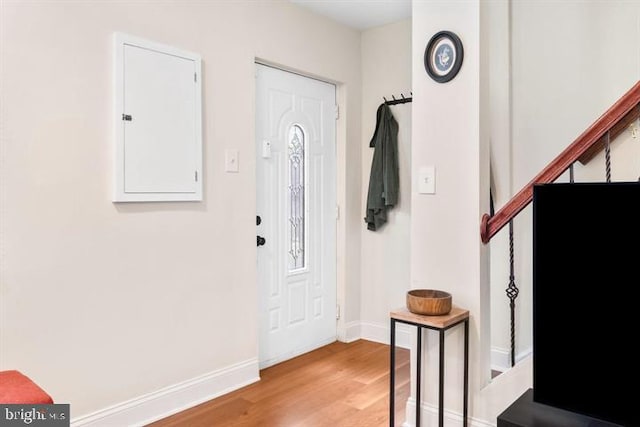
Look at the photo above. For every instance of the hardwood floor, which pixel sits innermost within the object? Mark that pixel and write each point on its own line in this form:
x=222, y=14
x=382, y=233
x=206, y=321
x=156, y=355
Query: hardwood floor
x=339, y=385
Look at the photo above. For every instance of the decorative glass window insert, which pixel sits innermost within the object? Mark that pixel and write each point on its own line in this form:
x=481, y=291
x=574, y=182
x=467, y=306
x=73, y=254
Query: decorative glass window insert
x=296, y=193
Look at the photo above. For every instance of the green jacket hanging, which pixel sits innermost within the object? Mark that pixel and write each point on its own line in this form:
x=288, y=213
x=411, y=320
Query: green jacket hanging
x=383, y=181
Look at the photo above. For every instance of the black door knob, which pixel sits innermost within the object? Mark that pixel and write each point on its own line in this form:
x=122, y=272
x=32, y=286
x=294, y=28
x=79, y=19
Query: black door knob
x=258, y=220
x=261, y=240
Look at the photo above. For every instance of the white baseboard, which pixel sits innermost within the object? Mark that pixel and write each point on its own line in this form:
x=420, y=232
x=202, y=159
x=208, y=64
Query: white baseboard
x=352, y=332
x=159, y=404
x=524, y=354
x=429, y=417
x=501, y=358
x=294, y=353
x=377, y=332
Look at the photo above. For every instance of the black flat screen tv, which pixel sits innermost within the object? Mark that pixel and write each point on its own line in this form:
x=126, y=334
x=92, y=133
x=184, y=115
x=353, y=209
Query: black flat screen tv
x=586, y=278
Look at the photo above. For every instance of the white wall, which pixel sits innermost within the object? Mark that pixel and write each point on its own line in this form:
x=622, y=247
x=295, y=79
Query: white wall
x=452, y=123
x=569, y=62
x=103, y=302
x=501, y=173
x=446, y=252
x=386, y=71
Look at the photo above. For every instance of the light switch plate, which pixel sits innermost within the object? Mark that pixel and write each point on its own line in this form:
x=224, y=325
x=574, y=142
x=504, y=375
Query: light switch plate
x=427, y=180
x=266, y=149
x=231, y=160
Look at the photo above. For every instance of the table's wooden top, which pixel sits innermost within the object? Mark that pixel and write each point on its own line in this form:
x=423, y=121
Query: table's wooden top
x=454, y=316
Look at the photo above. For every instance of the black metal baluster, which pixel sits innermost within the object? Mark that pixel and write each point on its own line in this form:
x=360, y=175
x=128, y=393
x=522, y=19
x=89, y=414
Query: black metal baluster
x=512, y=293
x=571, y=174
x=607, y=156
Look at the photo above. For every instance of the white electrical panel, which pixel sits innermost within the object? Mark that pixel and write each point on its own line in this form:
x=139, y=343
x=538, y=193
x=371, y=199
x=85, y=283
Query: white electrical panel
x=157, y=122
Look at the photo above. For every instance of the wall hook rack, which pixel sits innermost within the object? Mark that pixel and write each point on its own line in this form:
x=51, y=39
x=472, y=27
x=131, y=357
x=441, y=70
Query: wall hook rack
x=401, y=100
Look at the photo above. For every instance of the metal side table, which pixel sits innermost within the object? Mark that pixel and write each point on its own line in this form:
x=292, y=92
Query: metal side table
x=456, y=316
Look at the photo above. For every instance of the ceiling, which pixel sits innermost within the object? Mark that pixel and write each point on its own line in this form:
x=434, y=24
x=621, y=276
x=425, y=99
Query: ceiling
x=360, y=14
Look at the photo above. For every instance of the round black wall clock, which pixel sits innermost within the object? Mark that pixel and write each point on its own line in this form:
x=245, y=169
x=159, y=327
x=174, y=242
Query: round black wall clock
x=443, y=56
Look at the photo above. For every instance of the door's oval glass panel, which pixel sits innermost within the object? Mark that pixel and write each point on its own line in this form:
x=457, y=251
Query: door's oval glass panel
x=296, y=202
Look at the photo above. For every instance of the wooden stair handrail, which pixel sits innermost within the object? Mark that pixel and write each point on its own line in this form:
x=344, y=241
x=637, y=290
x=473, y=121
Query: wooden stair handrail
x=614, y=120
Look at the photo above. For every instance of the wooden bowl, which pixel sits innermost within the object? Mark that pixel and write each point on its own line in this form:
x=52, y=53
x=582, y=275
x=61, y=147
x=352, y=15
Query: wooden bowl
x=429, y=302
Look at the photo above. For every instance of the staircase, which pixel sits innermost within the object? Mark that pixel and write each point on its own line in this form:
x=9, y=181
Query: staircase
x=595, y=139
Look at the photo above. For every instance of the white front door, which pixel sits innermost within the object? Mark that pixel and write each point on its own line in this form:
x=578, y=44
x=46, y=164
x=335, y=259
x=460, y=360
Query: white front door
x=296, y=203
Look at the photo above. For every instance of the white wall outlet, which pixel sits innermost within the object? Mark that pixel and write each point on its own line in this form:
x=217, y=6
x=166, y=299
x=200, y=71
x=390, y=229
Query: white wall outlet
x=427, y=180
x=633, y=128
x=231, y=160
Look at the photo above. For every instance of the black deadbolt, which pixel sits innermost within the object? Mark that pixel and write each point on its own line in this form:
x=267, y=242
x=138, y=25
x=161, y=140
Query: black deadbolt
x=258, y=220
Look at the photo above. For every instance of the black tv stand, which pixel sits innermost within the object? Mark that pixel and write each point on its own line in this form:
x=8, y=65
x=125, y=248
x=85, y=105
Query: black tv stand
x=524, y=412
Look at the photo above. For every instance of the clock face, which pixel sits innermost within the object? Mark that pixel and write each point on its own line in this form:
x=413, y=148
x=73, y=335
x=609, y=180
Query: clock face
x=443, y=56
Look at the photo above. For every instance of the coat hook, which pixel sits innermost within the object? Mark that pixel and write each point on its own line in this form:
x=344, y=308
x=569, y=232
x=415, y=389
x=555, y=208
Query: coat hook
x=393, y=96
x=385, y=99
x=402, y=95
